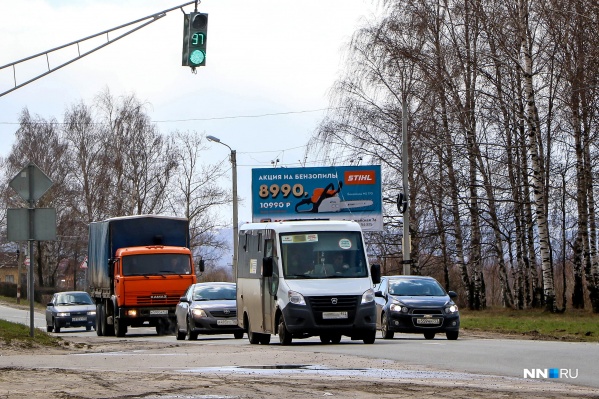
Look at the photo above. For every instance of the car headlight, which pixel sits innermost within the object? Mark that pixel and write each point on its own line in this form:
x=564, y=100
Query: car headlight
x=198, y=312
x=296, y=298
x=368, y=296
x=398, y=307
x=451, y=309
x=63, y=314
x=91, y=313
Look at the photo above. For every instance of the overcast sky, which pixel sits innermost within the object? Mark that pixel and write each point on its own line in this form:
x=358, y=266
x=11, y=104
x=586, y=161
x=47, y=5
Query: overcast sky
x=263, y=57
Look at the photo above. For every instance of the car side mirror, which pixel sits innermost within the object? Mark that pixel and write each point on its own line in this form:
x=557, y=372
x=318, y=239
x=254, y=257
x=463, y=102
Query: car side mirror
x=452, y=294
x=375, y=273
x=379, y=294
x=183, y=299
x=49, y=304
x=267, y=266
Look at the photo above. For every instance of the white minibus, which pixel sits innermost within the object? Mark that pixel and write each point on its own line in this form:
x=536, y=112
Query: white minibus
x=305, y=278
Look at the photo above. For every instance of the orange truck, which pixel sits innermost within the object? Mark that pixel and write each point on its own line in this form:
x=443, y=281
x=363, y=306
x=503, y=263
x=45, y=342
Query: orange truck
x=138, y=268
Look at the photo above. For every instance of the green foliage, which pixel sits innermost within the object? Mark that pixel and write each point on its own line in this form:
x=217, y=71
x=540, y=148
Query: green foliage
x=573, y=325
x=18, y=335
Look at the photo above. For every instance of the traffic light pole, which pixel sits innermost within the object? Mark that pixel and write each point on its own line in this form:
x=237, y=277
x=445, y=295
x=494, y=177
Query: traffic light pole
x=152, y=18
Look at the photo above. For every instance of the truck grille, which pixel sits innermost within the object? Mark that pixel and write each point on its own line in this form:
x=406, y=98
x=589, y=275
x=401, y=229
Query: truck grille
x=158, y=299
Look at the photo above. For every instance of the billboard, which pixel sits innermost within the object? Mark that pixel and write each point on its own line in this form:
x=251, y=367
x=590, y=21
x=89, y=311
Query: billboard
x=331, y=192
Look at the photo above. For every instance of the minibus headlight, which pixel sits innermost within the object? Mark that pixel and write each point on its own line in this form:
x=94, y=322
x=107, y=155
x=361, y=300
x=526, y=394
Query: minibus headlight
x=296, y=298
x=368, y=296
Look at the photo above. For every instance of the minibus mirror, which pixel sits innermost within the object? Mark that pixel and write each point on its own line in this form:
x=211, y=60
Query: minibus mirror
x=202, y=265
x=375, y=273
x=267, y=266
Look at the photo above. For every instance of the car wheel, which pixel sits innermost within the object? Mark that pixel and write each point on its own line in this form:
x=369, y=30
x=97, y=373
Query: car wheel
x=452, y=335
x=325, y=339
x=335, y=338
x=88, y=328
x=369, y=337
x=49, y=328
x=284, y=334
x=191, y=335
x=238, y=335
x=429, y=335
x=385, y=328
x=56, y=326
x=180, y=334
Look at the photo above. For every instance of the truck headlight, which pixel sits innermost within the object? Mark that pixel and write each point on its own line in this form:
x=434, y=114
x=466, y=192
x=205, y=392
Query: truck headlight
x=197, y=312
x=296, y=298
x=368, y=296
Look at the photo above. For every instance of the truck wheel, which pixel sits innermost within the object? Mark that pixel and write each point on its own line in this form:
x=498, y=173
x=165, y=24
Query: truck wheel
x=369, y=337
x=99, y=317
x=120, y=328
x=385, y=328
x=107, y=328
x=284, y=334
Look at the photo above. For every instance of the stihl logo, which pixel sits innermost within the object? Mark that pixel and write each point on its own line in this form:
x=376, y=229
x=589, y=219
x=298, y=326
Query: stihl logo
x=360, y=177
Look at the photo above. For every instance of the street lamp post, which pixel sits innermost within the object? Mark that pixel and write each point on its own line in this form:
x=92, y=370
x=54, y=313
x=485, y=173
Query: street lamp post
x=235, y=222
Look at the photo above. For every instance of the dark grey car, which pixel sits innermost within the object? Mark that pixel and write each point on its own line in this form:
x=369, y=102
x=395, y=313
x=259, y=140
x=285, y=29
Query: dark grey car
x=70, y=309
x=416, y=304
x=208, y=308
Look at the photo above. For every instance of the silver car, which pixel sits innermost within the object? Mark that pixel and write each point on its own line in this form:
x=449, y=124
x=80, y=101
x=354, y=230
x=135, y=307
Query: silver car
x=208, y=308
x=70, y=309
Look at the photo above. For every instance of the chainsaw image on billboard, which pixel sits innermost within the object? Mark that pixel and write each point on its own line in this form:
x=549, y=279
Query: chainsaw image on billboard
x=337, y=193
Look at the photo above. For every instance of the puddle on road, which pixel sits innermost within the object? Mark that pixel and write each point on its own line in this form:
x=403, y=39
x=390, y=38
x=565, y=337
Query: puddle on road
x=329, y=371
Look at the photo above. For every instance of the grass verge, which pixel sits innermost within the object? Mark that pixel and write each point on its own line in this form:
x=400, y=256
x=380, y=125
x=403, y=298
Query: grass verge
x=17, y=335
x=572, y=325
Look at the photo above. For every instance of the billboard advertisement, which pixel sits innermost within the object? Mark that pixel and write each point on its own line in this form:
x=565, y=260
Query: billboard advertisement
x=331, y=192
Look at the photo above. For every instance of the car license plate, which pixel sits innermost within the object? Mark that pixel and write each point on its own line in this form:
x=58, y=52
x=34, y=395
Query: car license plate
x=428, y=321
x=80, y=318
x=334, y=315
x=161, y=311
x=226, y=322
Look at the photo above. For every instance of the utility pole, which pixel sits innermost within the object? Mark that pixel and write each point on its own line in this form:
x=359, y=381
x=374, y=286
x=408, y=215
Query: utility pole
x=406, y=241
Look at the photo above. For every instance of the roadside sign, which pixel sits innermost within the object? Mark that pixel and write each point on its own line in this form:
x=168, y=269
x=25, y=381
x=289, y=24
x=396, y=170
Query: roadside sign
x=333, y=192
x=31, y=183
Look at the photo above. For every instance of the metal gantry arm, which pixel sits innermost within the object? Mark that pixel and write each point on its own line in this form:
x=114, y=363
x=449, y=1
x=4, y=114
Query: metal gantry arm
x=152, y=18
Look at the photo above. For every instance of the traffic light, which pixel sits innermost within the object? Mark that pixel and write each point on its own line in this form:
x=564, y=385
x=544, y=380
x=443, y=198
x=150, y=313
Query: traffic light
x=194, y=39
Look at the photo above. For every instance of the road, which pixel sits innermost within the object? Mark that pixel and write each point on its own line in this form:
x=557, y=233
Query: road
x=468, y=362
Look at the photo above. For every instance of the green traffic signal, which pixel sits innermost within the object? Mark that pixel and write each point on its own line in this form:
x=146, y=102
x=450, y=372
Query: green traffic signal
x=197, y=57
x=194, y=39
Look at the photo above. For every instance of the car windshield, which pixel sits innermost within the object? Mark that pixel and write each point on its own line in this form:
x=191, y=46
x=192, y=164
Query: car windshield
x=415, y=287
x=74, y=299
x=321, y=255
x=214, y=293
